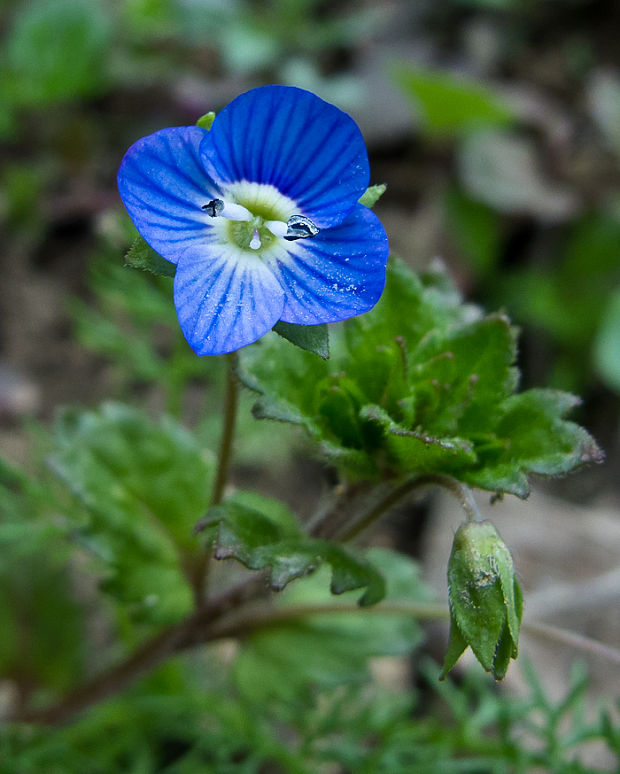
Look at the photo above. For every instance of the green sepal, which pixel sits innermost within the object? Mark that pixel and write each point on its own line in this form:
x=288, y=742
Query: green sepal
x=486, y=605
x=312, y=338
x=262, y=534
x=206, y=121
x=142, y=256
x=456, y=647
x=372, y=195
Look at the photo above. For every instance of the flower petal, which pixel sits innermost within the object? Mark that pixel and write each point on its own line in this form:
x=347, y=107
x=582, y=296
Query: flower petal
x=338, y=274
x=163, y=185
x=225, y=298
x=283, y=136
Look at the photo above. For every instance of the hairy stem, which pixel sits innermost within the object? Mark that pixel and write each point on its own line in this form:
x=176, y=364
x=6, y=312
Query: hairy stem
x=460, y=491
x=220, y=620
x=231, y=403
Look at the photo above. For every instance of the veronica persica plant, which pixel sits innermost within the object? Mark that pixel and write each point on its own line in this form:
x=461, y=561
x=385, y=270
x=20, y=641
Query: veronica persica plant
x=260, y=214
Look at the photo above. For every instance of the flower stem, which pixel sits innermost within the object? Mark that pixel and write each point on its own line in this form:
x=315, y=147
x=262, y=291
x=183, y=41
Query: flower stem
x=460, y=491
x=231, y=402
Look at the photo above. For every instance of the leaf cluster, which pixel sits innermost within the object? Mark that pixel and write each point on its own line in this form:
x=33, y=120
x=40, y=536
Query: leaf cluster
x=140, y=486
x=421, y=384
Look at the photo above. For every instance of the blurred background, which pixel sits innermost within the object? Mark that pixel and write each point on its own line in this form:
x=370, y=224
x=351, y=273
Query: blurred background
x=494, y=123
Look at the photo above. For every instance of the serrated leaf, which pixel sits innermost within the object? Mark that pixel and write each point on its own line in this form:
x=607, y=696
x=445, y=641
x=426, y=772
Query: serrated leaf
x=536, y=439
x=313, y=338
x=268, y=537
x=142, y=256
x=372, y=195
x=422, y=383
x=142, y=485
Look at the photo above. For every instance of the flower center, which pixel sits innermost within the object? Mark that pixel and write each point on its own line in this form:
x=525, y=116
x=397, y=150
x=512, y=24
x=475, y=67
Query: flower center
x=254, y=217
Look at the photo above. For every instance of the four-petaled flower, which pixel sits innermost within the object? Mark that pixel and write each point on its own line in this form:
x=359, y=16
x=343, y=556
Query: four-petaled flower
x=260, y=214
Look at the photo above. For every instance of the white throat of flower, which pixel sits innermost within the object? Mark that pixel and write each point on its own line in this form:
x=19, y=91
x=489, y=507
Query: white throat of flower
x=254, y=216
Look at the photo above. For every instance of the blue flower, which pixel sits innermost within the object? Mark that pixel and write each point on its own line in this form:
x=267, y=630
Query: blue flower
x=260, y=214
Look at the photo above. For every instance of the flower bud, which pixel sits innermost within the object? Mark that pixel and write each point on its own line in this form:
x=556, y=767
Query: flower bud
x=486, y=604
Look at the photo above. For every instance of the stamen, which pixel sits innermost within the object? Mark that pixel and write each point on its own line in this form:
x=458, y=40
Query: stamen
x=229, y=210
x=214, y=207
x=277, y=227
x=300, y=227
x=255, y=242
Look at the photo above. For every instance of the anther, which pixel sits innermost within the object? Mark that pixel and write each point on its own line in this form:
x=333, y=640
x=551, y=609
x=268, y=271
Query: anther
x=300, y=227
x=214, y=207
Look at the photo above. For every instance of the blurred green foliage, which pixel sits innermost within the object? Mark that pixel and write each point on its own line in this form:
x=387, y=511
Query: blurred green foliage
x=560, y=288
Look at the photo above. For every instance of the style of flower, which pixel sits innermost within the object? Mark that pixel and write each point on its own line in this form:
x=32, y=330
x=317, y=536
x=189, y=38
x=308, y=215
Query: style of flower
x=260, y=214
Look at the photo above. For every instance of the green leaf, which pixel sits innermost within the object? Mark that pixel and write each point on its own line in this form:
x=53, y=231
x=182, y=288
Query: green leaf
x=535, y=438
x=451, y=104
x=206, y=121
x=142, y=485
x=333, y=648
x=142, y=256
x=313, y=338
x=422, y=383
x=265, y=535
x=372, y=195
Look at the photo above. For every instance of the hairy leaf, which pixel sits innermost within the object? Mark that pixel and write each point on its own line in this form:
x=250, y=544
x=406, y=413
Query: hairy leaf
x=264, y=534
x=422, y=383
x=142, y=256
x=142, y=485
x=313, y=338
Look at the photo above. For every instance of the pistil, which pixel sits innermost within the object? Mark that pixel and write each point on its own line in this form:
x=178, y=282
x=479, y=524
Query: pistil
x=255, y=242
x=259, y=231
